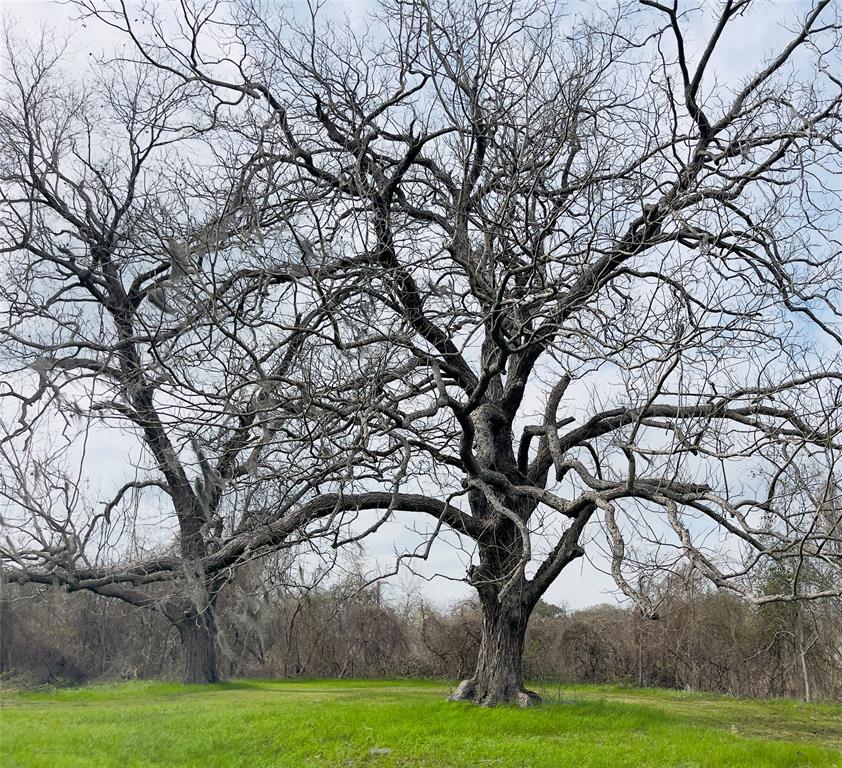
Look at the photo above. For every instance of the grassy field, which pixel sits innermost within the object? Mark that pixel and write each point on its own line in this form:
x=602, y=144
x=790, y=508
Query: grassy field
x=355, y=723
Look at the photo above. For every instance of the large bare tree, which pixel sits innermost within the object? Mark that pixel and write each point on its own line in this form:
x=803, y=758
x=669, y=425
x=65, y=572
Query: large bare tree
x=583, y=276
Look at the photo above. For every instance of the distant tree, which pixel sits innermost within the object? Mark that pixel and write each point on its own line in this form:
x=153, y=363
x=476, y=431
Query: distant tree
x=807, y=499
x=546, y=610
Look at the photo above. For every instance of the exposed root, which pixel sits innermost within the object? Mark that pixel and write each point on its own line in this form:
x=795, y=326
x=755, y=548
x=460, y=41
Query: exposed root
x=526, y=698
x=467, y=690
x=464, y=691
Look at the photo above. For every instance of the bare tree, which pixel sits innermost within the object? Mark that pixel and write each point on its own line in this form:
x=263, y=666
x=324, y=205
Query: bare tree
x=584, y=281
x=145, y=311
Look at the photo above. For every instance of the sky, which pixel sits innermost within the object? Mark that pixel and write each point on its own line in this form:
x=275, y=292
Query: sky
x=584, y=583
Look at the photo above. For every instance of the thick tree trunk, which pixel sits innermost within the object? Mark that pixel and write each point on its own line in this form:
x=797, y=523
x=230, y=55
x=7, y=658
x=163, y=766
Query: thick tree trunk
x=499, y=576
x=197, y=629
x=498, y=678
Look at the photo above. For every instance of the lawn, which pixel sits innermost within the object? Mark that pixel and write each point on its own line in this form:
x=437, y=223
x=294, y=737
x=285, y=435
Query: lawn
x=403, y=723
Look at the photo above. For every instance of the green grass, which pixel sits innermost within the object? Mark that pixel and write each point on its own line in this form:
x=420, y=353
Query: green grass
x=339, y=723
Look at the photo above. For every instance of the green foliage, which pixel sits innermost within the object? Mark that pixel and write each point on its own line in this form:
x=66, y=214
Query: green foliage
x=355, y=723
x=547, y=610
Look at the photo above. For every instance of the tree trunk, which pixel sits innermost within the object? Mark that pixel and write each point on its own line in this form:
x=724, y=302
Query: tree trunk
x=498, y=678
x=802, y=653
x=197, y=629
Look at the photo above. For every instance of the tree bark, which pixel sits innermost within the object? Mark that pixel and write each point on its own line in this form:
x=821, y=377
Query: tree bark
x=197, y=629
x=802, y=653
x=498, y=678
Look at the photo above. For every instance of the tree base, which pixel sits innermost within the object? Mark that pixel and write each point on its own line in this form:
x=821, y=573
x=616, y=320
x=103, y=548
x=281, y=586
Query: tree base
x=468, y=690
x=198, y=644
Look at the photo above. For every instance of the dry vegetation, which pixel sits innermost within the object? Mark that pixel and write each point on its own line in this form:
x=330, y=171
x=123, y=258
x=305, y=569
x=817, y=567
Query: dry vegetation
x=703, y=640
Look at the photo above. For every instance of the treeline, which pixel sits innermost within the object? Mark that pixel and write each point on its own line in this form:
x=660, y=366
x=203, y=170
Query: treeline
x=702, y=640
